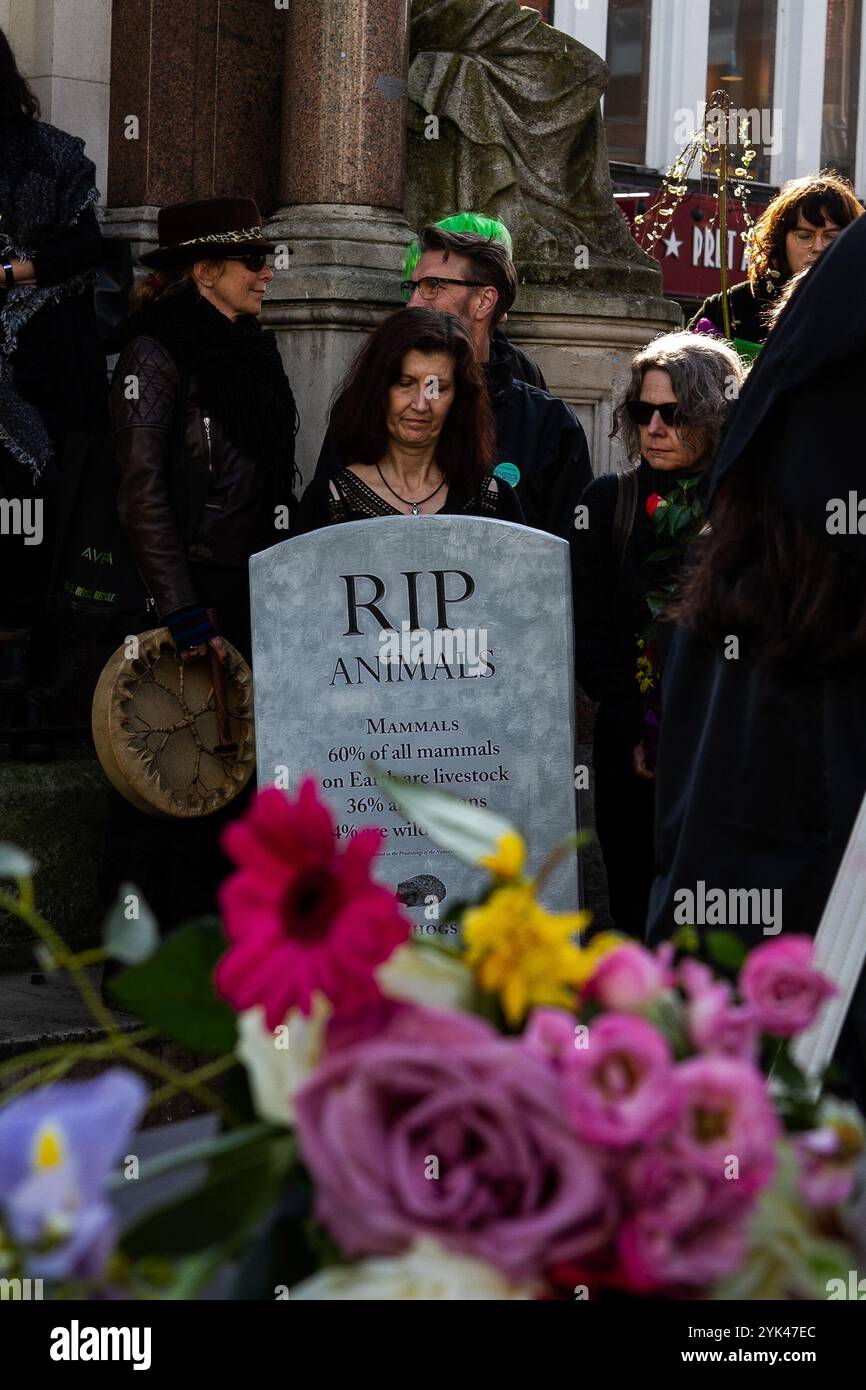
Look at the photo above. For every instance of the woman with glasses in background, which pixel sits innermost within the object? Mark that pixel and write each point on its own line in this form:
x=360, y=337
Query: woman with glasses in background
x=670, y=419
x=796, y=228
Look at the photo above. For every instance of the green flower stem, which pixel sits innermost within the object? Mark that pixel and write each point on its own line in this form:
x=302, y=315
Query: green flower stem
x=179, y=1080
x=205, y=1073
x=81, y=1051
x=38, y=1078
x=24, y=908
x=92, y=957
x=556, y=855
x=201, y=1151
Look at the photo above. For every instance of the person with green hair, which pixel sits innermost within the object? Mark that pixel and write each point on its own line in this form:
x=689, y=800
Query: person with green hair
x=476, y=224
x=541, y=449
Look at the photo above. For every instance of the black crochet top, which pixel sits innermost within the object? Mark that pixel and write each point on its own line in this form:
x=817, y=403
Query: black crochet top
x=355, y=501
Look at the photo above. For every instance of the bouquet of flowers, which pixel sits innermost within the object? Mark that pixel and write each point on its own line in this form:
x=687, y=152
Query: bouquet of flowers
x=529, y=1114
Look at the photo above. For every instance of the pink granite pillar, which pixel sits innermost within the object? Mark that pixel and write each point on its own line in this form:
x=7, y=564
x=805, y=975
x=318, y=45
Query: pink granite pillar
x=344, y=103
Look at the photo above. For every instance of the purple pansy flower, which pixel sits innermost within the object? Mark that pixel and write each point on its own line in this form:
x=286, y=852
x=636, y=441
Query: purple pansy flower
x=57, y=1146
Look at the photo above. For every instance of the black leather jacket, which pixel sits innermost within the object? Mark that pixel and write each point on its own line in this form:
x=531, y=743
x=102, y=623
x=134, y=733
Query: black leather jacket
x=187, y=495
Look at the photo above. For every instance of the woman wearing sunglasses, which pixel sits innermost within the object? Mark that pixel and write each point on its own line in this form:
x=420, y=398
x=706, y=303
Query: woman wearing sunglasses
x=203, y=423
x=670, y=419
x=205, y=436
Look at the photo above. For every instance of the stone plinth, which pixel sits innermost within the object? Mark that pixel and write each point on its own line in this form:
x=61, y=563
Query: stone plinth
x=344, y=278
x=584, y=344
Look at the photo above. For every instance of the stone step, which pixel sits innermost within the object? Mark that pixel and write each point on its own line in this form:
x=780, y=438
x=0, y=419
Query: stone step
x=56, y=812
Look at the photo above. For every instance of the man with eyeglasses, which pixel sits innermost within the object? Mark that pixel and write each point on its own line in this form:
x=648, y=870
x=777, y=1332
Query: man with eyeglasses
x=541, y=446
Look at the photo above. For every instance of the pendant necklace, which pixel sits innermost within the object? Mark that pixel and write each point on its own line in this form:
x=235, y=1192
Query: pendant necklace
x=407, y=502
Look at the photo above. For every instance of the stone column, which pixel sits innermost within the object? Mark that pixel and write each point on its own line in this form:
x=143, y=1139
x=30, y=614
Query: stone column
x=196, y=90
x=341, y=190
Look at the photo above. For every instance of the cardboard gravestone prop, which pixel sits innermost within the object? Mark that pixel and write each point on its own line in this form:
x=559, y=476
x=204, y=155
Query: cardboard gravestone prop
x=437, y=648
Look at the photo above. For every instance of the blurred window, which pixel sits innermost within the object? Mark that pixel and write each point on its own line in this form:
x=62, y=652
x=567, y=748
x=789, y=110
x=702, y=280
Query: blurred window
x=625, y=101
x=741, y=58
x=841, y=84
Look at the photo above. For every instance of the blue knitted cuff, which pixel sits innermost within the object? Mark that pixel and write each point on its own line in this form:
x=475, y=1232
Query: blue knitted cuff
x=190, y=627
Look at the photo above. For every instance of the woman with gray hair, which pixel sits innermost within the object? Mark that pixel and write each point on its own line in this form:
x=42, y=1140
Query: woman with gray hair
x=632, y=536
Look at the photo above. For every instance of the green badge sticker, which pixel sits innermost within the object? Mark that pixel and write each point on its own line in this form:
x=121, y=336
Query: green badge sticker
x=508, y=472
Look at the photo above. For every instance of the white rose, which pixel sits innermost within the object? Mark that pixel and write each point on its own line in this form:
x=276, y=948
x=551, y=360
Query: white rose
x=426, y=1272
x=279, y=1061
x=425, y=976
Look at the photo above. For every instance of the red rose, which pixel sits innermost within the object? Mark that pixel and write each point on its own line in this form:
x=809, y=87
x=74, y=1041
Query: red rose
x=654, y=500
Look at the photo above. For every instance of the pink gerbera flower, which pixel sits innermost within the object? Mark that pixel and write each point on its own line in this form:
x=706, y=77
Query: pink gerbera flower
x=302, y=915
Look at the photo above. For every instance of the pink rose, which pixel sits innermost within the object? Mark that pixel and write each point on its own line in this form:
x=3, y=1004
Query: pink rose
x=713, y=1021
x=727, y=1116
x=665, y=1183
x=654, y=1257
x=780, y=983
x=465, y=1143
x=828, y=1170
x=550, y=1037
x=628, y=978
x=620, y=1089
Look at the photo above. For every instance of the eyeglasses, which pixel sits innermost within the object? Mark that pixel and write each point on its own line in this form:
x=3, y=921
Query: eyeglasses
x=430, y=285
x=253, y=260
x=807, y=237
x=642, y=412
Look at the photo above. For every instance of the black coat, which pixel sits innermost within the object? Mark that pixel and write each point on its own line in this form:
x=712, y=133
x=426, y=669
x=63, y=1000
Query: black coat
x=748, y=309
x=762, y=769
x=760, y=777
x=609, y=600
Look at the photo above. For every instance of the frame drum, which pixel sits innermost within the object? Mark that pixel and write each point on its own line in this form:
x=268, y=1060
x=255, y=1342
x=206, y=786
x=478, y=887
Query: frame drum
x=156, y=728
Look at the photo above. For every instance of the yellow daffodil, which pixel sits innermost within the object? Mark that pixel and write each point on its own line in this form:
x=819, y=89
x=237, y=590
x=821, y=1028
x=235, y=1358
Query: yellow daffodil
x=522, y=952
x=508, y=858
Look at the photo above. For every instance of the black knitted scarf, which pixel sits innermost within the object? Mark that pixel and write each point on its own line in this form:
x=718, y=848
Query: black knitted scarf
x=238, y=372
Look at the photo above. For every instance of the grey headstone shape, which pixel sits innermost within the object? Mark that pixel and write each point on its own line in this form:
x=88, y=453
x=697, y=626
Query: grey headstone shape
x=488, y=716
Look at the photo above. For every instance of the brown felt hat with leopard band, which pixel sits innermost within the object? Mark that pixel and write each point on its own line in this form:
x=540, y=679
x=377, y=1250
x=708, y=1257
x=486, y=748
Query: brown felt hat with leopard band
x=206, y=230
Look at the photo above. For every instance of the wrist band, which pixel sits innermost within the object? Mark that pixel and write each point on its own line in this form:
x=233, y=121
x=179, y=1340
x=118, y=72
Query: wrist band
x=10, y=275
x=190, y=627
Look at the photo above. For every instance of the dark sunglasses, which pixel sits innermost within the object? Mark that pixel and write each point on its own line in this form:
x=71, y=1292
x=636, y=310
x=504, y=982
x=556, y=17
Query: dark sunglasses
x=253, y=260
x=641, y=412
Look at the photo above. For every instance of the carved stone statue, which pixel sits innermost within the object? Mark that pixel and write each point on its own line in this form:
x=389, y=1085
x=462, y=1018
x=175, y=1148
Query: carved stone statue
x=504, y=119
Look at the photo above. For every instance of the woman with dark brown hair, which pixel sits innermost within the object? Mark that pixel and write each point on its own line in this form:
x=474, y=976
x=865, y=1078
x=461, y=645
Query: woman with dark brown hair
x=413, y=420
x=762, y=757
x=794, y=230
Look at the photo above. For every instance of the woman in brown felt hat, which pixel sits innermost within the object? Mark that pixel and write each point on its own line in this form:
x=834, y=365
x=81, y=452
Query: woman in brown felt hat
x=203, y=422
